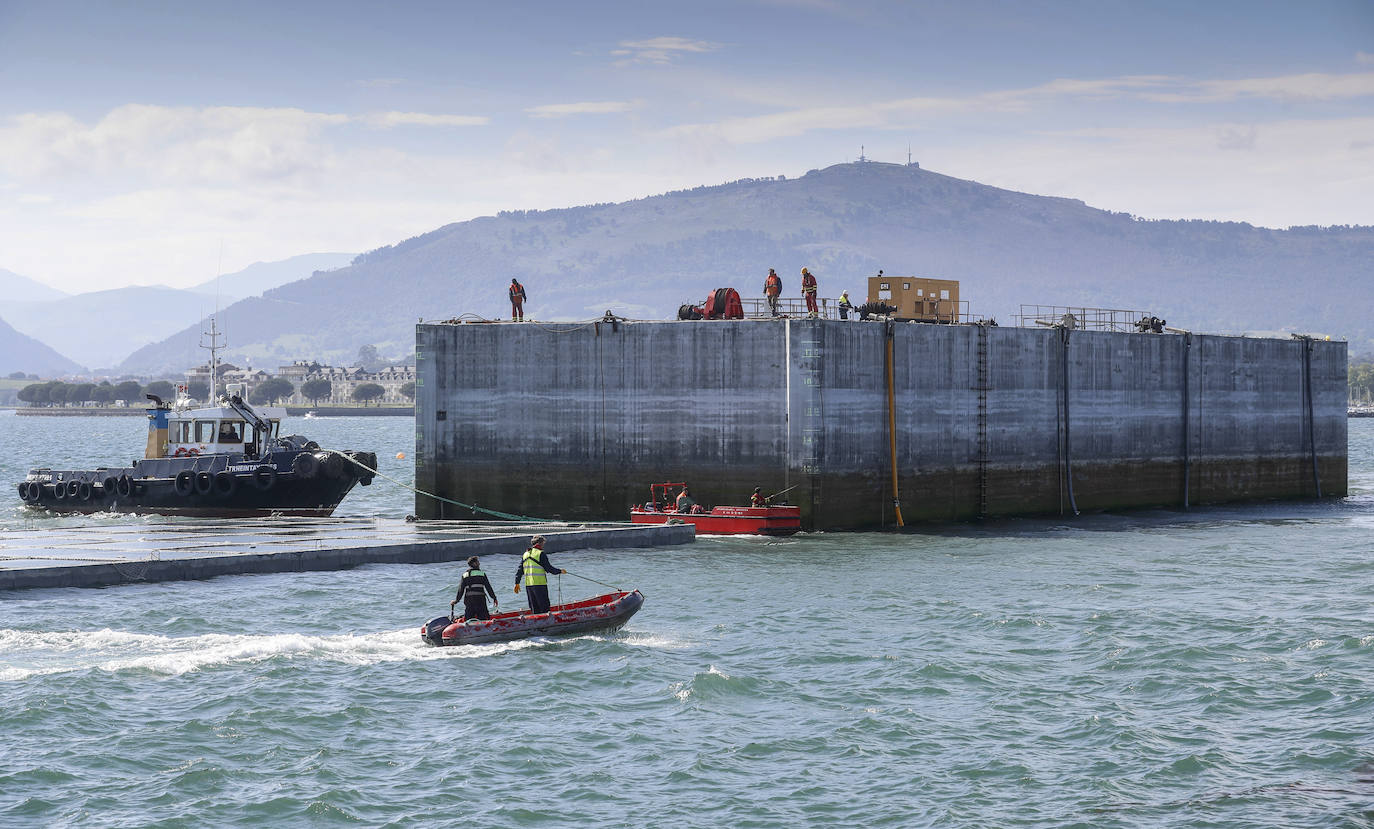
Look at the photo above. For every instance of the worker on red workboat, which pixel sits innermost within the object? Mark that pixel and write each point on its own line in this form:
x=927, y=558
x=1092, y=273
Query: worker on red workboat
x=757, y=499
x=471, y=591
x=772, y=289
x=684, y=501
x=517, y=301
x=535, y=568
x=809, y=291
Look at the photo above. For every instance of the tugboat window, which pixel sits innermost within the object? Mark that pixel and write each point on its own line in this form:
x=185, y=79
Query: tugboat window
x=182, y=432
x=230, y=431
x=205, y=431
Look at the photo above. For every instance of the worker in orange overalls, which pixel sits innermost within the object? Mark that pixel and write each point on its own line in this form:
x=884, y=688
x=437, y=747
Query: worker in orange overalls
x=517, y=301
x=772, y=288
x=809, y=292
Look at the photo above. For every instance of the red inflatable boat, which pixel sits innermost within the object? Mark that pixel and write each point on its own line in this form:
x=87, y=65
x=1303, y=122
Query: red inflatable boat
x=606, y=612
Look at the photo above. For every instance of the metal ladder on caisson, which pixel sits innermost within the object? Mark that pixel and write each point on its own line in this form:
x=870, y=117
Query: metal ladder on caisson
x=982, y=389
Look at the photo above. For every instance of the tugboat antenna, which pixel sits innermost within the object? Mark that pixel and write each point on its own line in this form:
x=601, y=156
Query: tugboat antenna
x=213, y=348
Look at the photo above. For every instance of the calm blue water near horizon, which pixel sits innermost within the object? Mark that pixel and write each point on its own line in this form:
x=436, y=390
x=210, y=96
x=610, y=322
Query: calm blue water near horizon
x=1152, y=668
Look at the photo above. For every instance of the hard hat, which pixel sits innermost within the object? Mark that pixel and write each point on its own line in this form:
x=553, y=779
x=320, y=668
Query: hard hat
x=804, y=270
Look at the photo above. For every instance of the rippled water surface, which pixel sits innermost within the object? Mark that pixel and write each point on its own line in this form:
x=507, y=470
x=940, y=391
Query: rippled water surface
x=1157, y=668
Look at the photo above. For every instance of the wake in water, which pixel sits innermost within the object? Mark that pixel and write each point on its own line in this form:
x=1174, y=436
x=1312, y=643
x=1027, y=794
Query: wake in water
x=26, y=654
x=36, y=653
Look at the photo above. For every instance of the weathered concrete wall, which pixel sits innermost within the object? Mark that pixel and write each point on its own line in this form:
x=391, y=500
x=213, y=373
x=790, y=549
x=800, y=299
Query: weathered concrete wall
x=576, y=421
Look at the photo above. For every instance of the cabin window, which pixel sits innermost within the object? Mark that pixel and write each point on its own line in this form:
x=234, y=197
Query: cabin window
x=906, y=286
x=231, y=431
x=180, y=431
x=205, y=431
x=944, y=295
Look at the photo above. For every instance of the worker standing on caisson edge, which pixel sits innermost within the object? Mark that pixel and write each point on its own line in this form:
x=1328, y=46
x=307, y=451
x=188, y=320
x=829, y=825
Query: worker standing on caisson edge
x=772, y=289
x=535, y=568
x=471, y=592
x=517, y=301
x=809, y=292
x=845, y=305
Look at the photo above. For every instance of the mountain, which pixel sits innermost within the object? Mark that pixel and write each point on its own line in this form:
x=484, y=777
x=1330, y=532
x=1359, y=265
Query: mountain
x=263, y=276
x=22, y=289
x=644, y=258
x=22, y=353
x=102, y=328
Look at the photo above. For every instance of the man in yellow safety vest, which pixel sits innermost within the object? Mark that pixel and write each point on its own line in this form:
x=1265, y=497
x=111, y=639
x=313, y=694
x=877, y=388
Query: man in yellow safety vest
x=534, y=569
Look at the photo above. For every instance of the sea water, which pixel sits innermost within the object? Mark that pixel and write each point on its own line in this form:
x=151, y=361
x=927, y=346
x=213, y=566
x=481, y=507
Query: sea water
x=1150, y=668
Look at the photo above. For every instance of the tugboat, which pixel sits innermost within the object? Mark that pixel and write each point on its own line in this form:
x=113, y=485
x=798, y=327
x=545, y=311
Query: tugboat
x=221, y=461
x=767, y=520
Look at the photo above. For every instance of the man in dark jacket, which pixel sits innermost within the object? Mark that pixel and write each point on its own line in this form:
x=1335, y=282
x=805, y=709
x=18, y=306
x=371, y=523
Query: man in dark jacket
x=534, y=569
x=470, y=591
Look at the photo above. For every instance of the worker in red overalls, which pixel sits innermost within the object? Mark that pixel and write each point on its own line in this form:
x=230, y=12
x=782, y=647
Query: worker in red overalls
x=809, y=292
x=772, y=289
x=517, y=301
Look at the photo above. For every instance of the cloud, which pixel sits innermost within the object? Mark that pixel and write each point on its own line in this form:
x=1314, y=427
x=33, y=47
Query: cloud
x=583, y=108
x=198, y=145
x=1313, y=86
x=423, y=119
x=660, y=49
x=910, y=113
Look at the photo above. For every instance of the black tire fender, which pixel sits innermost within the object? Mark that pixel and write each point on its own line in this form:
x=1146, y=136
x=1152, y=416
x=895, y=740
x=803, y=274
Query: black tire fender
x=305, y=465
x=265, y=477
x=226, y=484
x=184, y=483
x=84, y=490
x=205, y=482
x=110, y=485
x=125, y=486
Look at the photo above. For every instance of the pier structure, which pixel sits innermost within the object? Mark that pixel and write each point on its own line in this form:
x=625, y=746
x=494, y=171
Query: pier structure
x=575, y=421
x=86, y=555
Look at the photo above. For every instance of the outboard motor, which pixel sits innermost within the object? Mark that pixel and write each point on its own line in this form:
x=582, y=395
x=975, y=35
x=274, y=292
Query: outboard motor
x=434, y=630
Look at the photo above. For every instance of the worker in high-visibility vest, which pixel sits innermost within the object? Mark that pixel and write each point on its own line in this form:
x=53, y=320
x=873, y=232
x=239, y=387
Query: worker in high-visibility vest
x=534, y=569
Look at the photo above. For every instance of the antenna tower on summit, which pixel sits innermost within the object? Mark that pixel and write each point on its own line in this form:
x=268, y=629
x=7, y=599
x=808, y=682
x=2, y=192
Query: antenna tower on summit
x=862, y=157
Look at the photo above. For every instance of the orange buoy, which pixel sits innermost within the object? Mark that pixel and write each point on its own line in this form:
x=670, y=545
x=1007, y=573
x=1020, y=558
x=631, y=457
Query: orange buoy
x=400, y=456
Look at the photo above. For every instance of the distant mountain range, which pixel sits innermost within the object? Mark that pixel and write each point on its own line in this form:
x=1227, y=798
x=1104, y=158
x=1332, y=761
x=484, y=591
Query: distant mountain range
x=644, y=258
x=16, y=288
x=23, y=353
x=101, y=328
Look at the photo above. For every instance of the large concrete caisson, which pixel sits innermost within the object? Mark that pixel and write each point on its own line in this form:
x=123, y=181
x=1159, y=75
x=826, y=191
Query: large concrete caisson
x=575, y=421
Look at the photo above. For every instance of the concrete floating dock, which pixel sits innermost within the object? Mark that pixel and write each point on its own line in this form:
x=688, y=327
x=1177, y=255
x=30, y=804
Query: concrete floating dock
x=101, y=556
x=576, y=421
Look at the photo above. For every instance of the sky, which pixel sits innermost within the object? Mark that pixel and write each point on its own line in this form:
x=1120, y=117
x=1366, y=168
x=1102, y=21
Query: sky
x=166, y=142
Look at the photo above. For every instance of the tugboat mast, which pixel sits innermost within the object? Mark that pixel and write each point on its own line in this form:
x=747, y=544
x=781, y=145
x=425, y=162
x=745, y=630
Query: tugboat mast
x=213, y=348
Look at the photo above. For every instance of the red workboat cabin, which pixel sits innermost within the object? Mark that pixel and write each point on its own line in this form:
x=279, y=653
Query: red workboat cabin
x=765, y=520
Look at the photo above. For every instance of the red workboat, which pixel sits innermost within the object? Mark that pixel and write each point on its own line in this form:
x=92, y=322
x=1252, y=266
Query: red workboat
x=769, y=520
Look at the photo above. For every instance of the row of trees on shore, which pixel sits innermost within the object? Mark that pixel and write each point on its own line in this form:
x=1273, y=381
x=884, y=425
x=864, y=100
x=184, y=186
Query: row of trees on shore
x=129, y=392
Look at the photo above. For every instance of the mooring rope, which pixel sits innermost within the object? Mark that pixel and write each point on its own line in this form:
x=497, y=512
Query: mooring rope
x=496, y=513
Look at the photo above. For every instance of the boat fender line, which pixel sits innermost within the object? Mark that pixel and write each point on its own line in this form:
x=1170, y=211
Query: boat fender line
x=59, y=490
x=25, y=493
x=110, y=485
x=205, y=482
x=265, y=477
x=84, y=491
x=184, y=483
x=125, y=486
x=494, y=513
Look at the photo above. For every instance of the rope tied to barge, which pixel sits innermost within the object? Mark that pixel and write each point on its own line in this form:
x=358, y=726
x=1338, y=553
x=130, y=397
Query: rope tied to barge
x=509, y=516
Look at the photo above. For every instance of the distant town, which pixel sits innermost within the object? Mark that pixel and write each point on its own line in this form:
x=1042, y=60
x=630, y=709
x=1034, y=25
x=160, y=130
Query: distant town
x=302, y=383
